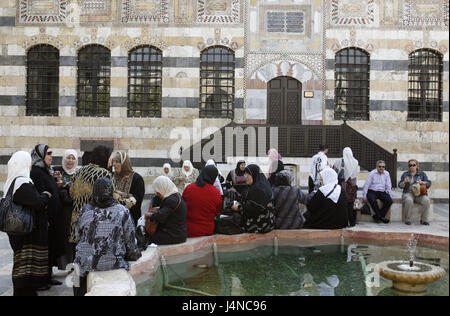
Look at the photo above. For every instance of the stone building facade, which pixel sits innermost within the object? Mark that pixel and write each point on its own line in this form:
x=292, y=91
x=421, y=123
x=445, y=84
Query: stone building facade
x=269, y=41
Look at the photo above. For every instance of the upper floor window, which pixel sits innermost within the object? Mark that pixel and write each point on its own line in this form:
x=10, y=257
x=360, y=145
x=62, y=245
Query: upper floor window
x=42, y=80
x=425, y=86
x=351, y=94
x=94, y=70
x=217, y=66
x=144, y=82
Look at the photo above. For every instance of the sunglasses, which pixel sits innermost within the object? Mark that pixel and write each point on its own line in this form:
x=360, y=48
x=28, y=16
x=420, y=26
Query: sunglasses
x=49, y=153
x=412, y=165
x=381, y=167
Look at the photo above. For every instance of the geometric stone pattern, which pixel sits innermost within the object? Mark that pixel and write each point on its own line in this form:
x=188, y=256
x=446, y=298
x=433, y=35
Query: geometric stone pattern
x=350, y=12
x=95, y=7
x=144, y=11
x=218, y=11
x=425, y=13
x=42, y=11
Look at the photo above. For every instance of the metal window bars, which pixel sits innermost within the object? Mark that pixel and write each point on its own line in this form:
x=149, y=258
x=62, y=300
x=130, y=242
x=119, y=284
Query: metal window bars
x=93, y=86
x=351, y=94
x=217, y=65
x=42, y=96
x=144, y=82
x=425, y=86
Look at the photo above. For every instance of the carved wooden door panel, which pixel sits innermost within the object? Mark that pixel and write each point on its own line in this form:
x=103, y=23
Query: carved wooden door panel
x=284, y=101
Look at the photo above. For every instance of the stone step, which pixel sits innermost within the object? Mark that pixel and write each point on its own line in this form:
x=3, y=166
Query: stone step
x=396, y=212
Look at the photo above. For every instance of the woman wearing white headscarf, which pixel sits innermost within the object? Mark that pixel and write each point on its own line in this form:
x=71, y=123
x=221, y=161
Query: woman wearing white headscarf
x=328, y=207
x=167, y=171
x=64, y=178
x=171, y=214
x=348, y=166
x=185, y=176
x=30, y=265
x=219, y=179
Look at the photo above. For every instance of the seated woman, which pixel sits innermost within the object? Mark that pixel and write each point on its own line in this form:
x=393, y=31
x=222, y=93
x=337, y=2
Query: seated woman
x=170, y=214
x=203, y=203
x=167, y=171
x=256, y=204
x=236, y=178
x=409, y=198
x=328, y=207
x=105, y=234
x=185, y=176
x=288, y=213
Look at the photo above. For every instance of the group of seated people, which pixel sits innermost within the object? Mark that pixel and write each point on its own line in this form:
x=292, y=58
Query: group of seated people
x=92, y=216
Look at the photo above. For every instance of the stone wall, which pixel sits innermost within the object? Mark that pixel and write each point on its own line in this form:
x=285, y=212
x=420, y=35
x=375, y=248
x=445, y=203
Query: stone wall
x=270, y=38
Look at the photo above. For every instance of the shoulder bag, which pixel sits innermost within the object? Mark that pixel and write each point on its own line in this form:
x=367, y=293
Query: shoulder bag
x=152, y=226
x=15, y=219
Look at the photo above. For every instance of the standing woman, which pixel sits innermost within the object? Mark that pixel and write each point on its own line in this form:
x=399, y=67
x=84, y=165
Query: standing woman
x=128, y=184
x=65, y=175
x=349, y=166
x=42, y=176
x=30, y=267
x=258, y=215
x=170, y=214
x=187, y=175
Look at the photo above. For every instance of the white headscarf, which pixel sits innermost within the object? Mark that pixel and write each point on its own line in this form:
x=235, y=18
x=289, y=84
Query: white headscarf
x=167, y=165
x=66, y=154
x=187, y=163
x=217, y=184
x=351, y=166
x=18, y=166
x=330, y=179
x=165, y=186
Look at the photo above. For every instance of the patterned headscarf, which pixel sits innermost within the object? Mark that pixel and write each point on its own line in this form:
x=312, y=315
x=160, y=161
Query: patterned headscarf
x=102, y=193
x=37, y=157
x=123, y=179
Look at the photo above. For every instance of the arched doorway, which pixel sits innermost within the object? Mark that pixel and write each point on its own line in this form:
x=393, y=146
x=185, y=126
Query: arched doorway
x=284, y=101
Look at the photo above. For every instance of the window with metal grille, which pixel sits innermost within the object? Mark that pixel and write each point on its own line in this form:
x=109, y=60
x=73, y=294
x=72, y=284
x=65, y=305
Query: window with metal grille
x=425, y=86
x=93, y=86
x=217, y=66
x=144, y=82
x=351, y=94
x=42, y=81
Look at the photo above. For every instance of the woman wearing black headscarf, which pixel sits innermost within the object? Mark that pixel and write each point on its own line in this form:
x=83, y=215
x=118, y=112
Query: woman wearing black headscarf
x=105, y=233
x=203, y=201
x=280, y=167
x=236, y=178
x=42, y=176
x=256, y=205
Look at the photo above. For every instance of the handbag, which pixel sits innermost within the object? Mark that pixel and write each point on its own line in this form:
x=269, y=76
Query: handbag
x=15, y=219
x=152, y=226
x=341, y=175
x=419, y=189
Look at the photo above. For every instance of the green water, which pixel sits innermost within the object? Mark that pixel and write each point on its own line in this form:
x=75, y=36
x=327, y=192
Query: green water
x=288, y=271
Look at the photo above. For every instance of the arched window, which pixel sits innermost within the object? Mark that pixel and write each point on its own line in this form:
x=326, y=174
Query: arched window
x=217, y=66
x=425, y=85
x=351, y=78
x=42, y=80
x=144, y=82
x=94, y=69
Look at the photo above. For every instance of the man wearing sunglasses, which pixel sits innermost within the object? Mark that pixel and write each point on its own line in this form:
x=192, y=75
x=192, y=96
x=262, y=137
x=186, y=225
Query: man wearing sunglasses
x=378, y=186
x=413, y=175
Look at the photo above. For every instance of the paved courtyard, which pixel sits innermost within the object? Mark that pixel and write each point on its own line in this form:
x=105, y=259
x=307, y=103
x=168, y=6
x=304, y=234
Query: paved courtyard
x=439, y=226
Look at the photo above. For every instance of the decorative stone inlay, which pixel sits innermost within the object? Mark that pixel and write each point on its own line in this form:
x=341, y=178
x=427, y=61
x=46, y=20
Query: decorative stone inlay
x=42, y=11
x=219, y=11
x=350, y=12
x=95, y=7
x=425, y=13
x=144, y=11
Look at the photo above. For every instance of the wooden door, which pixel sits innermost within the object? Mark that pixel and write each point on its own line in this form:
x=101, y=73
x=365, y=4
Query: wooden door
x=284, y=101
